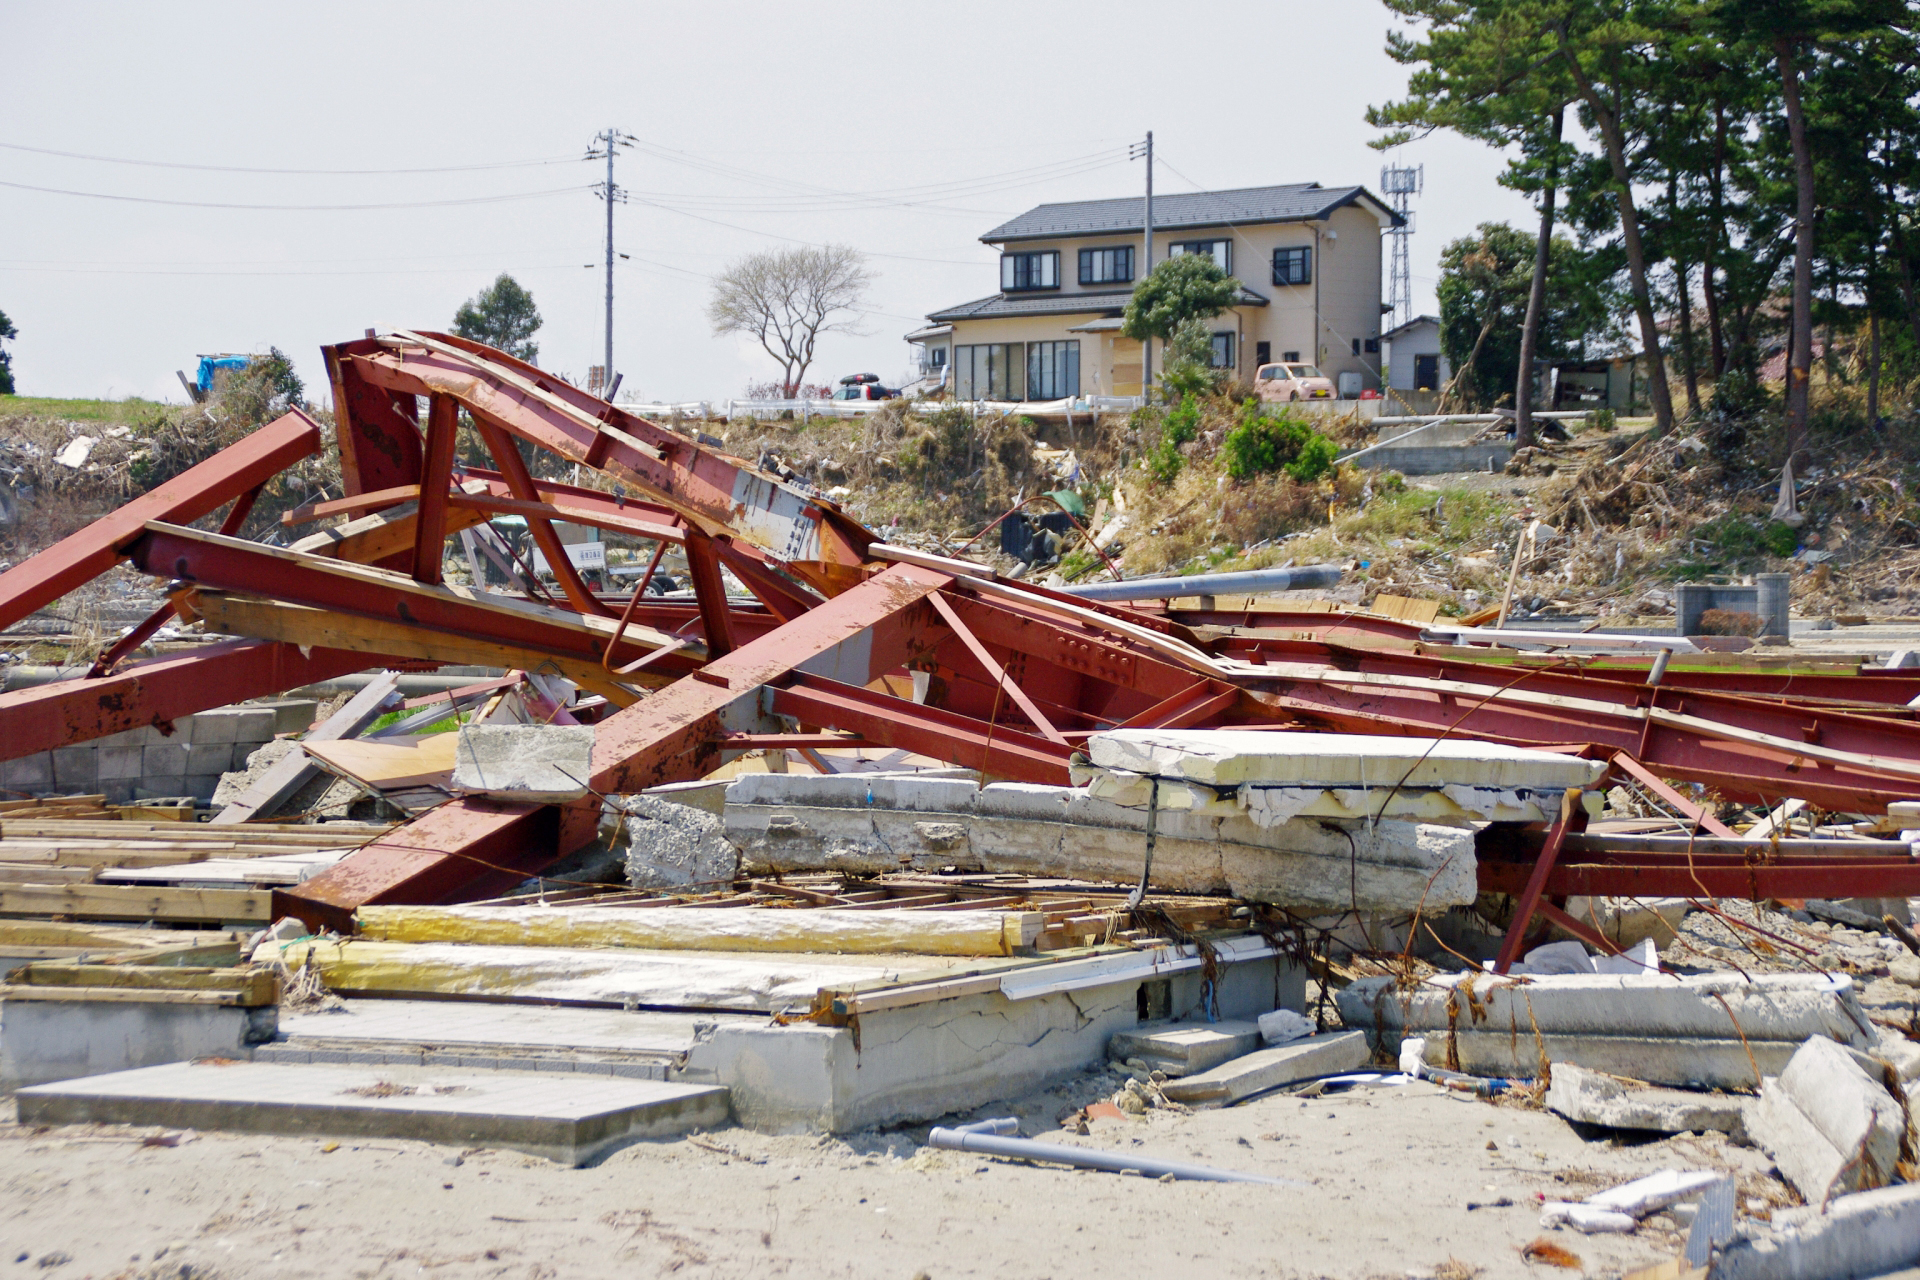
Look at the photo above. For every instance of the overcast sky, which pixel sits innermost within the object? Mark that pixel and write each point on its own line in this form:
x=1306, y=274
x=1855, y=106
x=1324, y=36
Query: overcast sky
x=905, y=131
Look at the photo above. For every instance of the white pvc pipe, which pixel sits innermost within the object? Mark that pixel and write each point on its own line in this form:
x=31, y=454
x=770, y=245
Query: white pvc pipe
x=992, y=1144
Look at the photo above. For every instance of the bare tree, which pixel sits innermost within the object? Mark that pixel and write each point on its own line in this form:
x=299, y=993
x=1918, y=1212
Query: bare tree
x=787, y=298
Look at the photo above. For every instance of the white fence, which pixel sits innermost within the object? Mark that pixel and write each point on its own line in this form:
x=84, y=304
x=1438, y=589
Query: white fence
x=803, y=409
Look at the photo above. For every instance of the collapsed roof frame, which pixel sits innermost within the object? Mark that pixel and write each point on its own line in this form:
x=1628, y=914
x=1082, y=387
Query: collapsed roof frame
x=1009, y=677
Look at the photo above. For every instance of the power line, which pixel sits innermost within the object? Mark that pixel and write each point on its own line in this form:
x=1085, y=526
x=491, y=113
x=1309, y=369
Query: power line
x=324, y=208
x=229, y=168
x=815, y=244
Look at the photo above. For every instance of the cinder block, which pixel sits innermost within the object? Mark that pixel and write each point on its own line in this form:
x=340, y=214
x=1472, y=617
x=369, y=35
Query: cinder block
x=28, y=773
x=165, y=759
x=241, y=750
x=125, y=738
x=120, y=792
x=162, y=787
x=209, y=757
x=75, y=768
x=119, y=763
x=290, y=715
x=200, y=785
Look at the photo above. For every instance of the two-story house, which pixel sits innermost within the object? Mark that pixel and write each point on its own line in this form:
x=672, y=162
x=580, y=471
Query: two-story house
x=1307, y=257
x=1308, y=260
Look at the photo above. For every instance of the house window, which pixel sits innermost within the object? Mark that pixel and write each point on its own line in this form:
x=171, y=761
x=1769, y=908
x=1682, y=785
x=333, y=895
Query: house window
x=1426, y=373
x=1262, y=353
x=1053, y=370
x=1221, y=251
x=1293, y=266
x=1290, y=357
x=1106, y=266
x=1223, y=350
x=1030, y=270
x=1371, y=345
x=991, y=371
x=1356, y=346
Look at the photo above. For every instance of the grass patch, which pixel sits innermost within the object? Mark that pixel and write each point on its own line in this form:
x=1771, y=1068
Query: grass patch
x=132, y=411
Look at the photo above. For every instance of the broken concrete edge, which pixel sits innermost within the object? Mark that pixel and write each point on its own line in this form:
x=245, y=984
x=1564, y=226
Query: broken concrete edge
x=1868, y=1233
x=1829, y=1123
x=1598, y=1098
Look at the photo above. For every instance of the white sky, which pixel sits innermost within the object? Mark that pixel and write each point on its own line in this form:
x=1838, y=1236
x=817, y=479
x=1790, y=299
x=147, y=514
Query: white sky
x=751, y=114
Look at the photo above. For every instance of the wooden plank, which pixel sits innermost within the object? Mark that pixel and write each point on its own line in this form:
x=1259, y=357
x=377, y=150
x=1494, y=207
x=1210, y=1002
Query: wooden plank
x=295, y=769
x=298, y=624
x=294, y=835
x=375, y=538
x=259, y=986
x=35, y=873
x=345, y=506
x=381, y=765
x=128, y=995
x=121, y=902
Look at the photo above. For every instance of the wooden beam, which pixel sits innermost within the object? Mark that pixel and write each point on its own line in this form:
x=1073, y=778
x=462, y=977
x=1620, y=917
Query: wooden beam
x=135, y=902
x=298, y=624
x=376, y=538
x=351, y=505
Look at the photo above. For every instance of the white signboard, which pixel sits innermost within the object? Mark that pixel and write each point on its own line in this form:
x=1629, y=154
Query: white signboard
x=584, y=555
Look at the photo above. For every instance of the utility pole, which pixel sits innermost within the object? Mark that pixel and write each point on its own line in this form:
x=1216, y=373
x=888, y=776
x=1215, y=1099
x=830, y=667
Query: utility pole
x=1144, y=150
x=604, y=146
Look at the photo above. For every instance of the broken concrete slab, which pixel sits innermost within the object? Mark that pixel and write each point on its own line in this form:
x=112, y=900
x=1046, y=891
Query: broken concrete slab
x=1184, y=1049
x=672, y=844
x=870, y=824
x=1264, y=1069
x=1715, y=1031
x=56, y=1039
x=1596, y=1098
x=525, y=763
x=1869, y=1233
x=1274, y=777
x=1828, y=1124
x=520, y=1110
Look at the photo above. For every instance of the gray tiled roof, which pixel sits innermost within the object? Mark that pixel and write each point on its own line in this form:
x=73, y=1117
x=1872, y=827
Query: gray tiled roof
x=1294, y=202
x=1056, y=304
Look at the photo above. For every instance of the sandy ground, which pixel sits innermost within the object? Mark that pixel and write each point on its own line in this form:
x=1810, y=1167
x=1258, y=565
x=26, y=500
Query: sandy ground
x=1392, y=1177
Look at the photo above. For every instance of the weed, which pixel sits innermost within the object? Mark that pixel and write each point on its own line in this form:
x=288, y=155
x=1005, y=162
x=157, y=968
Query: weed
x=1259, y=445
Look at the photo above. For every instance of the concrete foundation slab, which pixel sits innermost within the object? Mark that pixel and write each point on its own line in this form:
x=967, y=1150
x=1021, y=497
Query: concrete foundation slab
x=520, y=1110
x=1303, y=1059
x=48, y=1040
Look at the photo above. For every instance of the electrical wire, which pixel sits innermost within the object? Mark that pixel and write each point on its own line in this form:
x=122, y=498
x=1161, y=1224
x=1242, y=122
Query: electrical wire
x=215, y=204
x=229, y=168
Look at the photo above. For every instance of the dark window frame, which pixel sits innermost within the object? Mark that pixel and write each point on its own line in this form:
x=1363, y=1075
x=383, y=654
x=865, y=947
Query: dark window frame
x=1053, y=367
x=1015, y=266
x=1115, y=253
x=1179, y=247
x=1293, y=265
x=1232, y=361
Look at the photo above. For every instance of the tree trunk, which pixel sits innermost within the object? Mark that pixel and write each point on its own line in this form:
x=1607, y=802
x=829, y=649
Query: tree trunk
x=1873, y=366
x=1536, y=295
x=1657, y=390
x=1800, y=342
x=1686, y=338
x=1717, y=334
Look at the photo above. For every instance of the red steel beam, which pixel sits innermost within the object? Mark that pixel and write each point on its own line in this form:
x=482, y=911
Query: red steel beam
x=995, y=750
x=674, y=735
x=377, y=431
x=710, y=592
x=78, y=559
x=158, y=691
x=507, y=454
x=430, y=518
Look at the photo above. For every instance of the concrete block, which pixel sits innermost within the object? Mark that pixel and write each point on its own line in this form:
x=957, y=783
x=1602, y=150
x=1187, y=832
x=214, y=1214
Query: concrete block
x=1869, y=1233
x=32, y=773
x=574, y=1125
x=209, y=757
x=1699, y=1031
x=1185, y=1049
x=1593, y=1097
x=241, y=752
x=165, y=760
x=1827, y=1124
x=1898, y=1052
x=234, y=724
x=290, y=715
x=75, y=768
x=1256, y=1072
x=120, y=791
x=533, y=764
x=200, y=786
x=48, y=1040
x=671, y=844
x=1227, y=757
x=119, y=764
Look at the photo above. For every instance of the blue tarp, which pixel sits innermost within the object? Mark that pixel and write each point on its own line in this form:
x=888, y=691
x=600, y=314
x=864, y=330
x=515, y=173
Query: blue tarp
x=204, y=379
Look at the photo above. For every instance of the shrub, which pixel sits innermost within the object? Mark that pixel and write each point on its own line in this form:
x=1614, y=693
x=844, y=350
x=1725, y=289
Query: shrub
x=1181, y=426
x=1260, y=445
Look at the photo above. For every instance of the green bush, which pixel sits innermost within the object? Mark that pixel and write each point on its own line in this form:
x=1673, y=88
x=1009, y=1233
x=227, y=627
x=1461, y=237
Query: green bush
x=1260, y=445
x=1182, y=426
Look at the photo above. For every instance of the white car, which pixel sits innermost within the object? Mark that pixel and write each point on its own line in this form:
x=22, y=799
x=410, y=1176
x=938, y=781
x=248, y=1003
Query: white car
x=1284, y=382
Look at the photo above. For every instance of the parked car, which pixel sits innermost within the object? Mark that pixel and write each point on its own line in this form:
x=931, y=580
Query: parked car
x=868, y=388
x=1292, y=382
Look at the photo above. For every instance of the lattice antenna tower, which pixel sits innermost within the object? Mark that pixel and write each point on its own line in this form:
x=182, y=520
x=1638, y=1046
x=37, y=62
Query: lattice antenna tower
x=1400, y=184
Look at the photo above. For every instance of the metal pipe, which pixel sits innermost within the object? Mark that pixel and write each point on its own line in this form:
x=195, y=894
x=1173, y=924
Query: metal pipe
x=988, y=1144
x=1249, y=582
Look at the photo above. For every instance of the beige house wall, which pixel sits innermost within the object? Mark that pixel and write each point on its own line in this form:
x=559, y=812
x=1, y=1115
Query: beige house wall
x=1344, y=295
